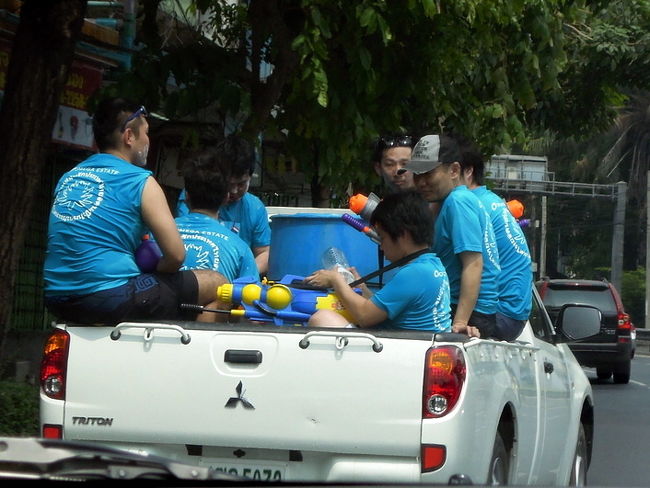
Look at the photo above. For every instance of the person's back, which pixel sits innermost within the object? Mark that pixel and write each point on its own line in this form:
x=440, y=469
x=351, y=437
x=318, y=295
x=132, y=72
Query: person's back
x=208, y=244
x=243, y=213
x=516, y=278
x=101, y=209
x=94, y=227
x=407, y=297
x=515, y=290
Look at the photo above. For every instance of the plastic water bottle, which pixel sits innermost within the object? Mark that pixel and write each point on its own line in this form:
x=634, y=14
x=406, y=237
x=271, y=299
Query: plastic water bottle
x=147, y=255
x=334, y=258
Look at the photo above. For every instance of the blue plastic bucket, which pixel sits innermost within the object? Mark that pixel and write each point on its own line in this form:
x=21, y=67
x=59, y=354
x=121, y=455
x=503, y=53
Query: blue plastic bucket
x=298, y=242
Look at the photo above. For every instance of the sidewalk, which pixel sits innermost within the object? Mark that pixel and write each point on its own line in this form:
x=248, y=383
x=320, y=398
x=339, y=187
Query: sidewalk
x=643, y=342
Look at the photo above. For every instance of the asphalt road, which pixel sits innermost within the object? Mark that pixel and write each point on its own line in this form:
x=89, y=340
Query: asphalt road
x=622, y=429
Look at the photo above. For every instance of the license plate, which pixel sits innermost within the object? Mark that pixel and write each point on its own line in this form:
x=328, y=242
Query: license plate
x=252, y=471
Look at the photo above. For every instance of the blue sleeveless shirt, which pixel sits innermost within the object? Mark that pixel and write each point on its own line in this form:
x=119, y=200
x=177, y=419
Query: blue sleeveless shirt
x=95, y=226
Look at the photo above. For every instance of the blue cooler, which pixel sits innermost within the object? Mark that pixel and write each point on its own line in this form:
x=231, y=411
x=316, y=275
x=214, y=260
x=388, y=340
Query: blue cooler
x=298, y=242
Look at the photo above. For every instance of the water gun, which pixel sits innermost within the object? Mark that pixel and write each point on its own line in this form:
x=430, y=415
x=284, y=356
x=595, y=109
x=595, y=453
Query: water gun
x=363, y=206
x=286, y=302
x=147, y=255
x=517, y=210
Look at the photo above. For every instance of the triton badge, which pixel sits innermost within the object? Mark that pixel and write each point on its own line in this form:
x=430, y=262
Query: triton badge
x=232, y=401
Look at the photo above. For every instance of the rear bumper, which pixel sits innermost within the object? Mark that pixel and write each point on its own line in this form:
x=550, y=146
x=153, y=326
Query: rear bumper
x=601, y=354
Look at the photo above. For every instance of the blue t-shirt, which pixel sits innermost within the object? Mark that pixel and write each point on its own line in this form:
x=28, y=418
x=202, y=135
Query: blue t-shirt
x=95, y=226
x=247, y=217
x=516, y=278
x=417, y=297
x=209, y=245
x=464, y=225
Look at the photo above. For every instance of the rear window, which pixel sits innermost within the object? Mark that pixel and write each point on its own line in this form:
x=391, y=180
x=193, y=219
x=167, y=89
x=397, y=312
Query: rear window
x=600, y=298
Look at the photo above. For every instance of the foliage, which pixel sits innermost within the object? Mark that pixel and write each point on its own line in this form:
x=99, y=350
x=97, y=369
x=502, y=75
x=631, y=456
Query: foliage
x=633, y=295
x=19, y=409
x=343, y=72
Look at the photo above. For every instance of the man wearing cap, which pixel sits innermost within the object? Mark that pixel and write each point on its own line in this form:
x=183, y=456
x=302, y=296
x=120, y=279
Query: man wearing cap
x=516, y=278
x=390, y=153
x=463, y=235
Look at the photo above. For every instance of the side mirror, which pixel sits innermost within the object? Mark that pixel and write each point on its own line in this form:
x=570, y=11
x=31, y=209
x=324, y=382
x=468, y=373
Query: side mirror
x=577, y=322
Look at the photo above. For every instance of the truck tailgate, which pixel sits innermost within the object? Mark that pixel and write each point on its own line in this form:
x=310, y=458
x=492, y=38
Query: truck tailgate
x=248, y=389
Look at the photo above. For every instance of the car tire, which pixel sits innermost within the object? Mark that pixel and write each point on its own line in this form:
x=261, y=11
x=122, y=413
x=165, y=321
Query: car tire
x=499, y=464
x=603, y=373
x=622, y=373
x=580, y=460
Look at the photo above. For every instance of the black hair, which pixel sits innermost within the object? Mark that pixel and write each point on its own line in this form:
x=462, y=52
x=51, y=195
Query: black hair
x=206, y=178
x=240, y=155
x=389, y=141
x=403, y=212
x=471, y=157
x=109, y=116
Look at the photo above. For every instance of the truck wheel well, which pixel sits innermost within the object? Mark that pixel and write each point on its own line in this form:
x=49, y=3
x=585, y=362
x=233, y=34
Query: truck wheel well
x=587, y=420
x=507, y=427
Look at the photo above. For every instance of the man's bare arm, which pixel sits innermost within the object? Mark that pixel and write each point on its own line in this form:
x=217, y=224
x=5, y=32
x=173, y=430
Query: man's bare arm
x=159, y=219
x=470, y=284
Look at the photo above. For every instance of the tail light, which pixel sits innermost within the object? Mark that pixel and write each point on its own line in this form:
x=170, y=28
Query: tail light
x=53, y=365
x=624, y=322
x=433, y=456
x=444, y=377
x=52, y=431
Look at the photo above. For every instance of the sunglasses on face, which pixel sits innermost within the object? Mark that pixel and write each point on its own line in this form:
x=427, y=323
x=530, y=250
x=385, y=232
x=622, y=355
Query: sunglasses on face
x=400, y=141
x=141, y=111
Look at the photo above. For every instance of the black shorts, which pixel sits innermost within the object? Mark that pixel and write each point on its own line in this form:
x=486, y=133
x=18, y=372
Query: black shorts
x=485, y=323
x=143, y=297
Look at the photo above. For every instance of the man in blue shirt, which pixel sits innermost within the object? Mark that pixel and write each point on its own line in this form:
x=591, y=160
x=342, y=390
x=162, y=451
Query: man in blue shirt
x=463, y=236
x=101, y=209
x=516, y=278
x=417, y=297
x=243, y=213
x=208, y=244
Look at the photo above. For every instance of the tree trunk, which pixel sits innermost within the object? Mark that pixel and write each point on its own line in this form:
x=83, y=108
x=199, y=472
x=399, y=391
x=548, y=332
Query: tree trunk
x=42, y=52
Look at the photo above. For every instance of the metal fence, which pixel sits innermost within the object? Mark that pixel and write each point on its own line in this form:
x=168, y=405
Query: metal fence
x=29, y=312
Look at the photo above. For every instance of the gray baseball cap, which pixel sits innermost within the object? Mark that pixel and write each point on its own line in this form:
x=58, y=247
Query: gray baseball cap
x=430, y=152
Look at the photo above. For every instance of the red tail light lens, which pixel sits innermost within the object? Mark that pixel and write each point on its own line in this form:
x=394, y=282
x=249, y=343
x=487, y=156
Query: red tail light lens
x=433, y=457
x=624, y=321
x=52, y=431
x=53, y=365
x=444, y=377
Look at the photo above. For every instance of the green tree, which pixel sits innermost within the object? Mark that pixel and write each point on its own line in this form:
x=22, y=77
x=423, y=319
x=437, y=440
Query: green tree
x=345, y=71
x=608, y=67
x=41, y=56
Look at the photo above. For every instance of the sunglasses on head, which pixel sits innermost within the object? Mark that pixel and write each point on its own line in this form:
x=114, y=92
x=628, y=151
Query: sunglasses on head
x=141, y=111
x=398, y=141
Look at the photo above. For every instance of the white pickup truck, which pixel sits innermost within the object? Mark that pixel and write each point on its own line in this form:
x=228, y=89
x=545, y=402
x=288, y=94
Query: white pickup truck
x=293, y=403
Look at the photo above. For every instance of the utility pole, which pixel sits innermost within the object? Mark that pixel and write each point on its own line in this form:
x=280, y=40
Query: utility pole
x=542, y=244
x=617, y=236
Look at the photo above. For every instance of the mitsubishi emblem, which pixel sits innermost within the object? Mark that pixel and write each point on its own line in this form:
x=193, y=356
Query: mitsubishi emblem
x=232, y=401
